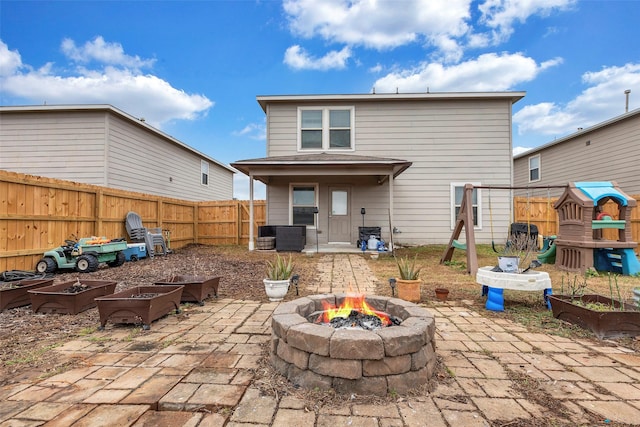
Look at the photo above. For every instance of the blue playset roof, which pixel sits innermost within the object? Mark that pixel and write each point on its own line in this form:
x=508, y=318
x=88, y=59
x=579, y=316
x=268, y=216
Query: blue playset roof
x=600, y=189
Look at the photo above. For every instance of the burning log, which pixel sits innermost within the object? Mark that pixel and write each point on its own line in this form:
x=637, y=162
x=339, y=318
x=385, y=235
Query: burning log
x=354, y=312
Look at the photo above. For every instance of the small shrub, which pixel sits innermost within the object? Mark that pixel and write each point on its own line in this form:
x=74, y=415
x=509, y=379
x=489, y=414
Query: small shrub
x=408, y=269
x=280, y=268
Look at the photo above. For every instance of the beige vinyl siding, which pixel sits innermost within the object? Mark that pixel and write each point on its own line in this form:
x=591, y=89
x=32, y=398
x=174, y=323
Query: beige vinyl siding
x=140, y=161
x=447, y=141
x=54, y=145
x=101, y=146
x=612, y=155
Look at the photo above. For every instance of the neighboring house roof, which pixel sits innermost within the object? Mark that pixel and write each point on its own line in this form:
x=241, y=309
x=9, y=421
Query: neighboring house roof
x=110, y=108
x=263, y=100
x=597, y=126
x=314, y=163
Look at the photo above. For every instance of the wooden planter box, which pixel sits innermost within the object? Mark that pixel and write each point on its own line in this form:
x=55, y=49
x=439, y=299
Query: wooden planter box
x=52, y=299
x=16, y=294
x=126, y=307
x=196, y=289
x=604, y=324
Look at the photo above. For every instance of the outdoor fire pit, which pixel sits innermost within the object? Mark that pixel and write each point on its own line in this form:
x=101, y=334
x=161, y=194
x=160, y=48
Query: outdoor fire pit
x=395, y=357
x=70, y=297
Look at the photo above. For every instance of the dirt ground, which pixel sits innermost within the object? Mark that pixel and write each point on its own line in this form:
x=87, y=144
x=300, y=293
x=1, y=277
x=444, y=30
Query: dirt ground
x=25, y=337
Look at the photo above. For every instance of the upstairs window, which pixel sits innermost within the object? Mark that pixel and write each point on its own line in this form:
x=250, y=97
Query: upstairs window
x=534, y=168
x=325, y=128
x=311, y=129
x=339, y=129
x=204, y=169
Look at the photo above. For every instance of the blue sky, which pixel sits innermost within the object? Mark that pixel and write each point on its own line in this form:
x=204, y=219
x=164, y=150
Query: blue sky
x=193, y=69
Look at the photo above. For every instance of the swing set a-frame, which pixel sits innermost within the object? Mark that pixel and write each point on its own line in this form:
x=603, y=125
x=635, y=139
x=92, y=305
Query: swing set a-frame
x=464, y=219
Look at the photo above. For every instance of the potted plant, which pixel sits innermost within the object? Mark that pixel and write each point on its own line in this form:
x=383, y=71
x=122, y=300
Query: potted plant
x=278, y=278
x=605, y=317
x=442, y=294
x=409, y=282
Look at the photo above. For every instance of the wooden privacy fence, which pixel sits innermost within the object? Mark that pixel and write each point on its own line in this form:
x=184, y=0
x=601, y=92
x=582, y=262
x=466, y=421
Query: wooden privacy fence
x=38, y=214
x=540, y=211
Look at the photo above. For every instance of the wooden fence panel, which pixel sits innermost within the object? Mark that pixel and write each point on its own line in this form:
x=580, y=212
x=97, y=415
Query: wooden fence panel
x=38, y=214
x=540, y=211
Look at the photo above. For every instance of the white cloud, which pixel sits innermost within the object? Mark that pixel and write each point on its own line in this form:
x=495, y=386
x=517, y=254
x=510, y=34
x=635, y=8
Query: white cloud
x=501, y=15
x=10, y=61
x=241, y=188
x=520, y=150
x=119, y=83
x=297, y=58
x=381, y=24
x=376, y=68
x=103, y=52
x=489, y=72
x=255, y=131
x=447, y=26
x=603, y=99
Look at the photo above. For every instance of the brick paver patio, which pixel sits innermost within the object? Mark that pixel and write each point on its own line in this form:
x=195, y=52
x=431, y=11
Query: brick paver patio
x=195, y=371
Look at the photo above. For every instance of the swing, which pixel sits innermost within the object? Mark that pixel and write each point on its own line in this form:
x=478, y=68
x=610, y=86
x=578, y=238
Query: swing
x=529, y=228
x=493, y=244
x=464, y=220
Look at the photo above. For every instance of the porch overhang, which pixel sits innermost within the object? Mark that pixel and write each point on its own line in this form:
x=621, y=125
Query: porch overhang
x=321, y=164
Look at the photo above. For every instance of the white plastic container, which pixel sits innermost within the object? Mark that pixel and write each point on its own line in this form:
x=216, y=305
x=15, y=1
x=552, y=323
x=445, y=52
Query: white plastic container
x=508, y=264
x=373, y=243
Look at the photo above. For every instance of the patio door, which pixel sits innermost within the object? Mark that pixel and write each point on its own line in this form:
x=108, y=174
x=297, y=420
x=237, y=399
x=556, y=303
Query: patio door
x=339, y=215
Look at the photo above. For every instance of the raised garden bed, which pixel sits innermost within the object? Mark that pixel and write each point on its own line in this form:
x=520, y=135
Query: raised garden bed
x=70, y=297
x=196, y=289
x=595, y=312
x=16, y=294
x=142, y=304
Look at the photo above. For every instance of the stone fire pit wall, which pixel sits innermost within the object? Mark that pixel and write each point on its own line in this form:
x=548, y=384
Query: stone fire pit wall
x=392, y=359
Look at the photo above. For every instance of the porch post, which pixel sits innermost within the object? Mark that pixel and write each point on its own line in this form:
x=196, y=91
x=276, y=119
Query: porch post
x=251, y=244
x=391, y=211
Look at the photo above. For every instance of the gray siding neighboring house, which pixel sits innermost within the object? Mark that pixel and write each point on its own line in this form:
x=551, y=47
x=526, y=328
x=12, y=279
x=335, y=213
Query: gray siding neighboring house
x=101, y=145
x=402, y=157
x=607, y=151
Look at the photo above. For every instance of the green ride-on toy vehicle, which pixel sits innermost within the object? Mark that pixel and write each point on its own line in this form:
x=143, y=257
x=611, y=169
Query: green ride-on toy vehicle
x=85, y=255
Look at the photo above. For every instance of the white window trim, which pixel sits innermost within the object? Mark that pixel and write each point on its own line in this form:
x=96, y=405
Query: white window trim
x=315, y=191
x=452, y=202
x=539, y=168
x=325, y=128
x=204, y=164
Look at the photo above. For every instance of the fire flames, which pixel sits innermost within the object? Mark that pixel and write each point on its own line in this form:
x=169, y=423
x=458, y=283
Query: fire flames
x=355, y=302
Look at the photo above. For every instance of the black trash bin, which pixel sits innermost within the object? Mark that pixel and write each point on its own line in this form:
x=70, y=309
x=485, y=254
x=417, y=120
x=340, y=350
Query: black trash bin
x=364, y=233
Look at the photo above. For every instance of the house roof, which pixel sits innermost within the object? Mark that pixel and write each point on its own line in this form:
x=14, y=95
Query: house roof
x=580, y=132
x=318, y=163
x=263, y=100
x=110, y=108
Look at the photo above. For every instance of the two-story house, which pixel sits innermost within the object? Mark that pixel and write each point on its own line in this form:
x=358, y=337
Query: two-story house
x=402, y=159
x=102, y=145
x=606, y=151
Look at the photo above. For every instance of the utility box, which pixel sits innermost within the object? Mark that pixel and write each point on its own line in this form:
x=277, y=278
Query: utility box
x=135, y=251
